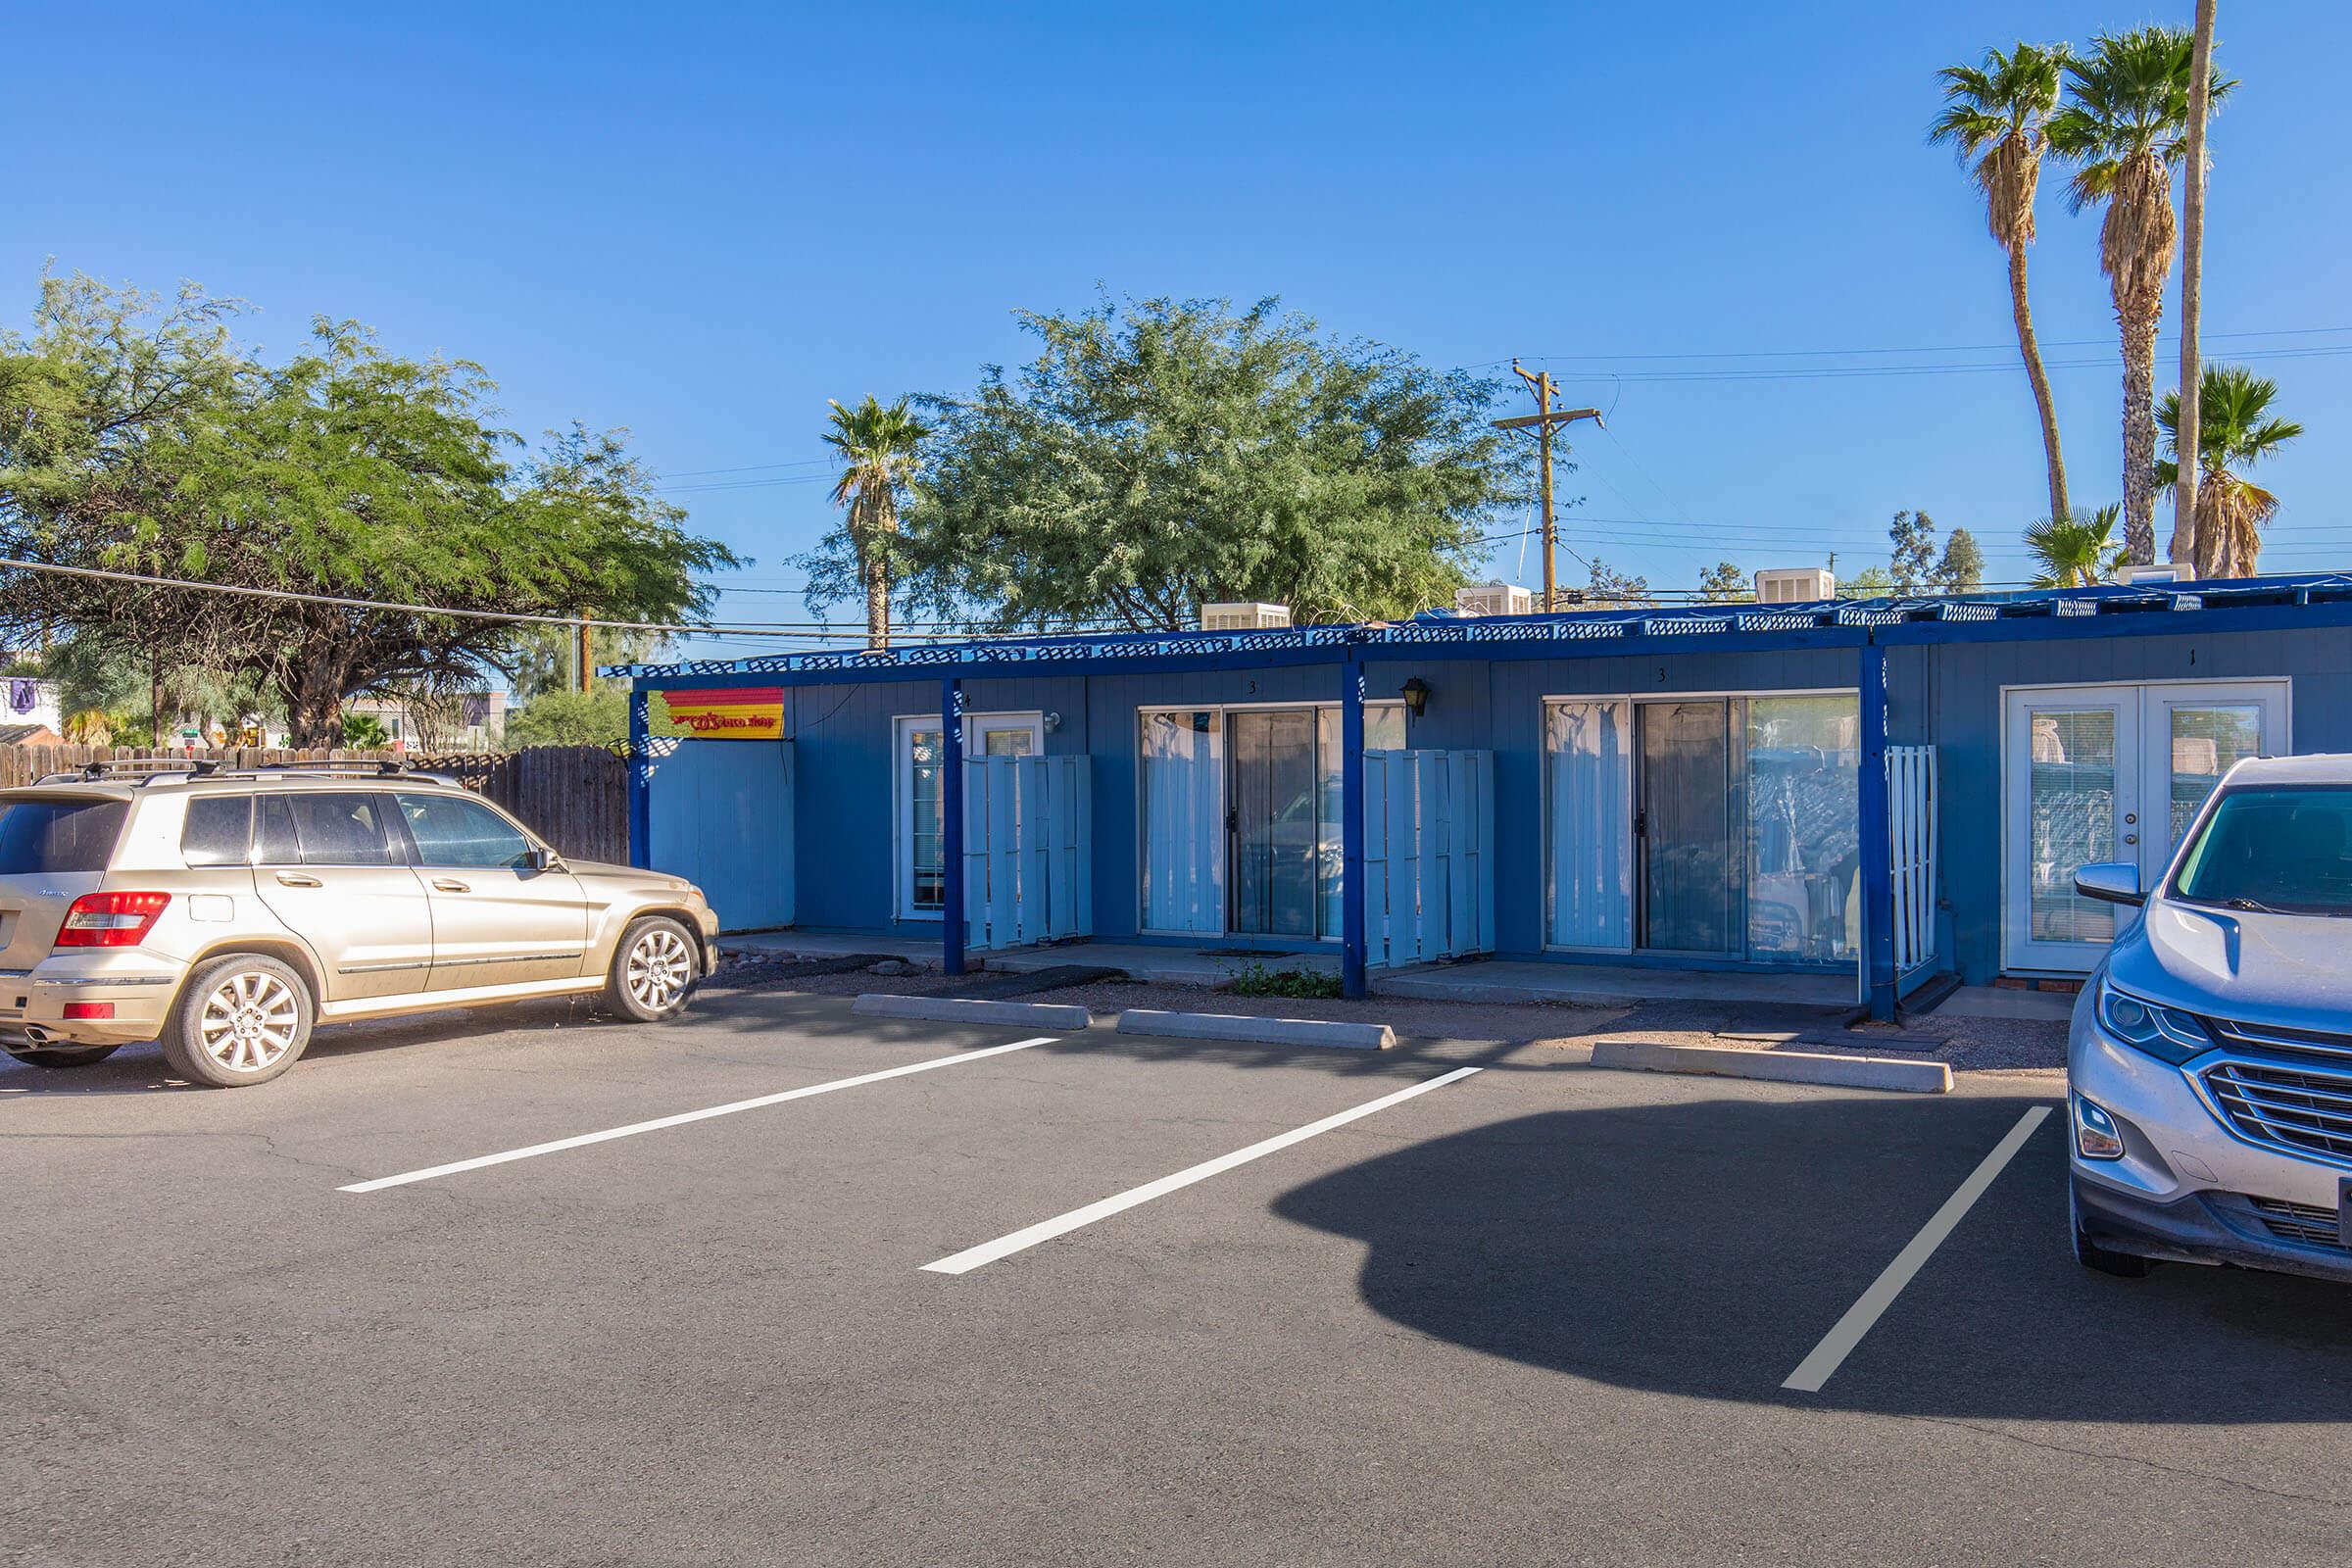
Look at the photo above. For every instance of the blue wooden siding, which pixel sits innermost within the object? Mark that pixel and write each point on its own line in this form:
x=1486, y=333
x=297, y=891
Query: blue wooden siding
x=1947, y=695
x=1964, y=681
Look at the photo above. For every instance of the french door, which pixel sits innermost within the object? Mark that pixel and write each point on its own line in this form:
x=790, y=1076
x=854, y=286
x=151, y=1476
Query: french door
x=919, y=834
x=2111, y=773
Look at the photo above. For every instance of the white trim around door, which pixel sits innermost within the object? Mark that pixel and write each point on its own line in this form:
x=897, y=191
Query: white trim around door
x=918, y=875
x=2111, y=772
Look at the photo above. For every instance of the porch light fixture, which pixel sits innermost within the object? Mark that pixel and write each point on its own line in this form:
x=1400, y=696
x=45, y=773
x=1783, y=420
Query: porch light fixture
x=1415, y=693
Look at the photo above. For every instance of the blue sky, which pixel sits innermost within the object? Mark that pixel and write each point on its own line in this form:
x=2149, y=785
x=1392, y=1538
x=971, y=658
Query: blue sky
x=702, y=222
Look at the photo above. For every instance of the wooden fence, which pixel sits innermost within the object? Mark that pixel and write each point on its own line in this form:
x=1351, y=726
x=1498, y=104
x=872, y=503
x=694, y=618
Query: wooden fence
x=575, y=796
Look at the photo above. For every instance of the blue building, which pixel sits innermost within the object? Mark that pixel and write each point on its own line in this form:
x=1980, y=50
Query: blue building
x=1891, y=789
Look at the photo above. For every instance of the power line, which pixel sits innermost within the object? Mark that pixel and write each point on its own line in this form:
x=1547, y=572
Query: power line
x=1924, y=348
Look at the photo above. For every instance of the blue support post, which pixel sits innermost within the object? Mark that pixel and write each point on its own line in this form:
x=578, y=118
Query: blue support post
x=1352, y=827
x=1878, y=845
x=950, y=836
x=640, y=777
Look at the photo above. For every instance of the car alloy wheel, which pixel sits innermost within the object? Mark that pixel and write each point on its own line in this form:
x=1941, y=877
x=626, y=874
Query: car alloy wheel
x=659, y=968
x=248, y=1021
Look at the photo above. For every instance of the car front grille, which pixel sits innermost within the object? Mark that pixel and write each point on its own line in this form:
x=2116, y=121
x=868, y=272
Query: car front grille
x=2303, y=1110
x=2294, y=1042
x=2299, y=1222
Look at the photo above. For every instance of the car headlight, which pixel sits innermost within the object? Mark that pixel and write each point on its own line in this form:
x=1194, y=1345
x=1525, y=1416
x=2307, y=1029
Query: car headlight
x=2143, y=1025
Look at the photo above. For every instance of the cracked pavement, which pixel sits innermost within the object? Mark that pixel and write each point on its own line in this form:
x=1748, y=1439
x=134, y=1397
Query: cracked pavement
x=1541, y=1315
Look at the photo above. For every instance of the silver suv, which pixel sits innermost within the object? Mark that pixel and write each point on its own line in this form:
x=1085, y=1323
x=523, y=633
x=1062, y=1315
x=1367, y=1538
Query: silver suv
x=227, y=913
x=2211, y=1058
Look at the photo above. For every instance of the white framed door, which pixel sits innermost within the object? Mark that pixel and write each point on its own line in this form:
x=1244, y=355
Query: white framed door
x=918, y=836
x=2111, y=772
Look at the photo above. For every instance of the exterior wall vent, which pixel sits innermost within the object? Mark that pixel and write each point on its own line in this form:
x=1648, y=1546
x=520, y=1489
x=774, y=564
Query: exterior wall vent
x=1795, y=585
x=1244, y=616
x=1493, y=599
x=2159, y=572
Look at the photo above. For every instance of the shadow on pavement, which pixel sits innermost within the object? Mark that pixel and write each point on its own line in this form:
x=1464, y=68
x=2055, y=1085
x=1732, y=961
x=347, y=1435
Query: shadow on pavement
x=1703, y=1248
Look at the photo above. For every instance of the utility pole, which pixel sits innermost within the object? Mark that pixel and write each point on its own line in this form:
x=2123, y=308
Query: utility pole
x=582, y=654
x=1543, y=422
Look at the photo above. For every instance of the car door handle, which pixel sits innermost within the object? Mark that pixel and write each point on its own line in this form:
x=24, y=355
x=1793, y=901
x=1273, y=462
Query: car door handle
x=295, y=880
x=450, y=884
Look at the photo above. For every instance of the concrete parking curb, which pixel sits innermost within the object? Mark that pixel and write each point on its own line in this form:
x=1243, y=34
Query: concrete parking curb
x=1256, y=1031
x=969, y=1010
x=1778, y=1066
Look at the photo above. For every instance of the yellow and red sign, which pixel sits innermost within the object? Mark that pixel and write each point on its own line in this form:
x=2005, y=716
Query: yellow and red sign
x=730, y=714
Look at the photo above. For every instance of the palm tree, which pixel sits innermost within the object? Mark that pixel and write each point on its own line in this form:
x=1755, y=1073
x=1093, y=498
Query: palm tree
x=2125, y=127
x=1997, y=114
x=2185, y=547
x=880, y=445
x=2235, y=430
x=2073, y=551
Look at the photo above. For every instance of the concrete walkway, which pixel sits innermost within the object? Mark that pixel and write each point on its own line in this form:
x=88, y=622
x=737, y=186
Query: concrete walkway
x=1506, y=981
x=1607, y=985
x=2006, y=1002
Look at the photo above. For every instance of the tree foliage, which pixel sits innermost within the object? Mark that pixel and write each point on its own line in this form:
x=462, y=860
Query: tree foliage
x=1912, y=565
x=2235, y=430
x=1161, y=454
x=2126, y=123
x=596, y=718
x=136, y=436
x=2077, y=551
x=1997, y=114
x=880, y=446
x=1610, y=589
x=1961, y=569
x=1726, y=583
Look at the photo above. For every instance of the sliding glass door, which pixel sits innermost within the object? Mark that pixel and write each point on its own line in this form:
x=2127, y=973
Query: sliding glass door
x=1275, y=841
x=1240, y=813
x=1714, y=826
x=1683, y=825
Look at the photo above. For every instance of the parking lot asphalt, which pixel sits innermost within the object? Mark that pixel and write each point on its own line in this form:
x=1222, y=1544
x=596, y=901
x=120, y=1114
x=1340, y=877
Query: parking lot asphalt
x=1537, y=1313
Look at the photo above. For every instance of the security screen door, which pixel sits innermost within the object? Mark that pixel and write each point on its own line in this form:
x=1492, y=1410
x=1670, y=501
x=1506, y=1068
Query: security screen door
x=1683, y=827
x=1271, y=819
x=2111, y=773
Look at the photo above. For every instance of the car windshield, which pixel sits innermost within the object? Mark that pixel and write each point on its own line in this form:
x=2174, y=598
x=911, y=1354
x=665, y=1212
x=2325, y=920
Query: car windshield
x=45, y=837
x=2280, y=850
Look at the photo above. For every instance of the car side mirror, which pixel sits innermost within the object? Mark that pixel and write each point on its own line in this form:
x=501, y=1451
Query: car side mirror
x=542, y=857
x=2110, y=882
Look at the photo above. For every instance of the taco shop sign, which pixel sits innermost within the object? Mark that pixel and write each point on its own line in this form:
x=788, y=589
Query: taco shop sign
x=734, y=714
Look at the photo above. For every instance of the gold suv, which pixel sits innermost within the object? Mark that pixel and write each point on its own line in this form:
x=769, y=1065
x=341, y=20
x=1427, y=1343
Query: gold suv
x=227, y=913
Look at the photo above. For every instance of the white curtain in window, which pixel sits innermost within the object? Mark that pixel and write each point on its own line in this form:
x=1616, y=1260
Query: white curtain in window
x=1184, y=821
x=1588, y=765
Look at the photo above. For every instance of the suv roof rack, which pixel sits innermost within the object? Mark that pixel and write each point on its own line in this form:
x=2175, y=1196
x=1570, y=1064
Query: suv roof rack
x=387, y=768
x=145, y=771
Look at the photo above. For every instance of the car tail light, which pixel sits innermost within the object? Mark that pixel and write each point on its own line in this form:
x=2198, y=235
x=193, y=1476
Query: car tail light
x=111, y=919
x=100, y=1011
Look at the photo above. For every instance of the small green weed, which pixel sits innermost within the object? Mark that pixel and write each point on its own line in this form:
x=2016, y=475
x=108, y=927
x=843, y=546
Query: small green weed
x=1307, y=985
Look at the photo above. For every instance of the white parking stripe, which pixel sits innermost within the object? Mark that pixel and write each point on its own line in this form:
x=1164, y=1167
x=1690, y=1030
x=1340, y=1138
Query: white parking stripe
x=1836, y=1344
x=685, y=1116
x=972, y=1257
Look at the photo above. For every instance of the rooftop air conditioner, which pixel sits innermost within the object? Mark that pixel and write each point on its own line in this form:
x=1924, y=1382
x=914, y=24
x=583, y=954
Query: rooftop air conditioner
x=1244, y=616
x=1795, y=585
x=1493, y=599
x=2135, y=576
